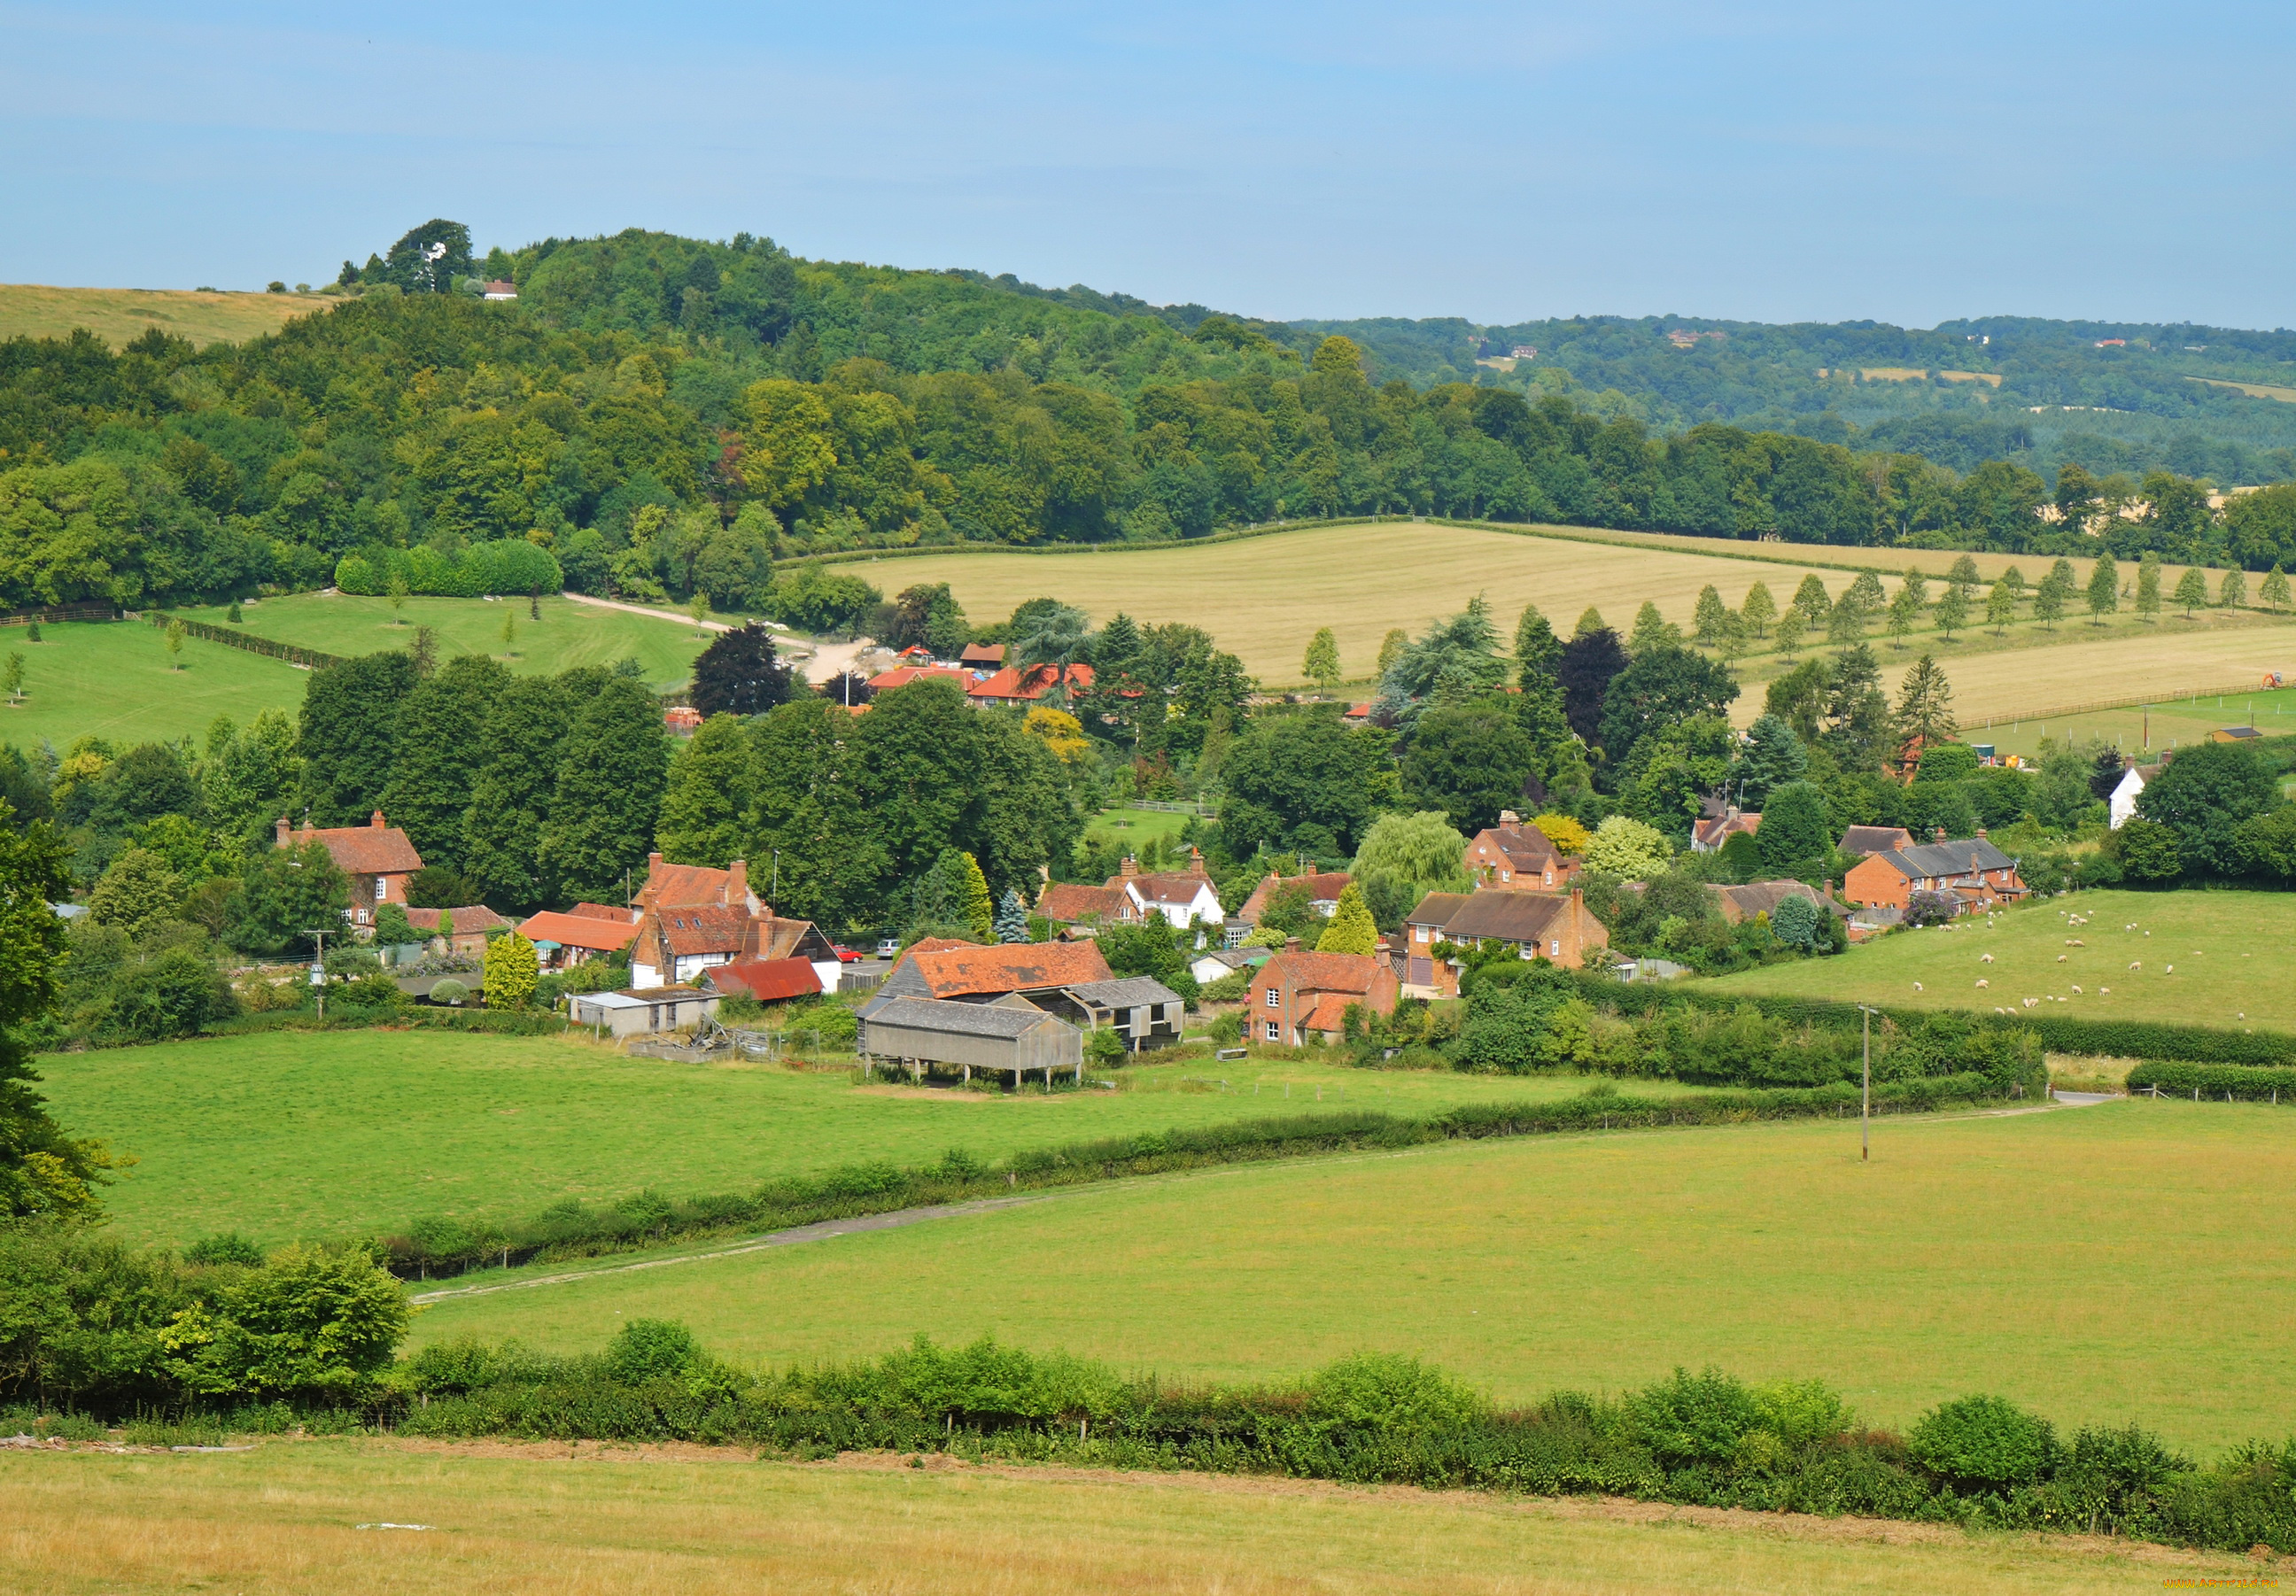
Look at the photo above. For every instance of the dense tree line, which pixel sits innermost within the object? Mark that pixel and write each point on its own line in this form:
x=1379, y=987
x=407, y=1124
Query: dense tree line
x=666, y=417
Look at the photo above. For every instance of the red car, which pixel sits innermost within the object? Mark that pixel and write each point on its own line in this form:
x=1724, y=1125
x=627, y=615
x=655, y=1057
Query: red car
x=845, y=955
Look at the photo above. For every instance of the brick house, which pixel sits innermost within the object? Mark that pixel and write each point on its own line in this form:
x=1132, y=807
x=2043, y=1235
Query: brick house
x=1709, y=832
x=378, y=859
x=1515, y=855
x=1131, y=896
x=1010, y=684
x=474, y=923
x=1741, y=903
x=1875, y=839
x=1553, y=926
x=691, y=917
x=1973, y=870
x=570, y=937
x=1296, y=996
x=1323, y=888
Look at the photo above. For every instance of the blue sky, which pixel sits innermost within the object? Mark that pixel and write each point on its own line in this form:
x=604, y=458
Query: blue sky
x=1774, y=161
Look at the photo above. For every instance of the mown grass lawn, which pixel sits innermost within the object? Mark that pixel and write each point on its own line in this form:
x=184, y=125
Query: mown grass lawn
x=349, y=1134
x=114, y=680
x=2230, y=951
x=2109, y=1265
x=569, y=634
x=532, y=1520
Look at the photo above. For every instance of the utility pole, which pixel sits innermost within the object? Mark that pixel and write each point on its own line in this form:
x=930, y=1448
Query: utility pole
x=319, y=968
x=1866, y=1095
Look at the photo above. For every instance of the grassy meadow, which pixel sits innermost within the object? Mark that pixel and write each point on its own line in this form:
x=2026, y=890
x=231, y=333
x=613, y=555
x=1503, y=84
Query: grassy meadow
x=2172, y=723
x=113, y=680
x=568, y=634
x=2229, y=950
x=120, y=315
x=1265, y=597
x=682, y=1521
x=2104, y=1264
x=338, y=1134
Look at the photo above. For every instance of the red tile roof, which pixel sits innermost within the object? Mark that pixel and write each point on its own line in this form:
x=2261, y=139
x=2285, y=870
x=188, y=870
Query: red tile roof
x=373, y=849
x=605, y=912
x=1007, y=683
x=474, y=916
x=1323, y=886
x=702, y=927
x=1067, y=903
x=1318, y=972
x=901, y=675
x=989, y=654
x=668, y=884
x=966, y=970
x=1330, y=1012
x=769, y=980
x=576, y=930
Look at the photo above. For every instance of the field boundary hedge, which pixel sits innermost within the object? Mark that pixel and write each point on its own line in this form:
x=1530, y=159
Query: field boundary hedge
x=269, y=647
x=440, y=1247
x=2149, y=1040
x=347, y=1017
x=2236, y=1082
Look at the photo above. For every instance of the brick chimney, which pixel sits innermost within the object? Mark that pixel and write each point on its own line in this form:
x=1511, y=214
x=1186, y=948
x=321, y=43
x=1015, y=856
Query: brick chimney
x=653, y=862
x=376, y=821
x=1130, y=867
x=1509, y=820
x=1290, y=944
x=1937, y=833
x=1980, y=833
x=1195, y=860
x=285, y=831
x=737, y=884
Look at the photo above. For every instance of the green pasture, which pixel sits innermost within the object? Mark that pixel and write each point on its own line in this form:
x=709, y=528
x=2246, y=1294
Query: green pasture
x=1137, y=827
x=2145, y=730
x=2230, y=951
x=569, y=634
x=114, y=680
x=2104, y=1264
x=350, y=1133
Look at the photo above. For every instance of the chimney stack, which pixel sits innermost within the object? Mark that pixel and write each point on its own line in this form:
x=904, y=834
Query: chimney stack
x=1980, y=833
x=1290, y=944
x=284, y=830
x=737, y=884
x=1130, y=867
x=1937, y=833
x=1509, y=820
x=377, y=821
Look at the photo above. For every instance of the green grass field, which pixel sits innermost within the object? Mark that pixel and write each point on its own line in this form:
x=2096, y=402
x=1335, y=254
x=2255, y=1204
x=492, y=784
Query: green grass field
x=531, y=1520
x=1137, y=827
x=2103, y=1265
x=346, y=1134
x=1264, y=598
x=2230, y=951
x=569, y=634
x=112, y=680
x=119, y=316
x=2174, y=723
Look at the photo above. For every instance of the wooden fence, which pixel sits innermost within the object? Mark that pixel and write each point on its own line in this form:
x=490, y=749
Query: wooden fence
x=231, y=638
x=2158, y=701
x=60, y=612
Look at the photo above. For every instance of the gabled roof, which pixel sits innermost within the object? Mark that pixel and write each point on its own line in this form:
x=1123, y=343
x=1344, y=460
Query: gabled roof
x=770, y=936
x=629, y=917
x=1007, y=682
x=966, y=1019
x=1523, y=843
x=1948, y=858
x=966, y=970
x=1069, y=903
x=1128, y=991
x=989, y=654
x=678, y=885
x=574, y=929
x=1323, y=886
x=692, y=928
x=1502, y=916
x=901, y=675
x=1178, y=887
x=373, y=849
x=1763, y=897
x=471, y=917
x=769, y=980
x=1330, y=1012
x=1714, y=831
x=1319, y=972
x=1436, y=908
x=1875, y=839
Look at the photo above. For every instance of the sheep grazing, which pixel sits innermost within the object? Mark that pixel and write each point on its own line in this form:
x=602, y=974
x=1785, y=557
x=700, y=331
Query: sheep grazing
x=2130, y=926
x=1984, y=983
x=2031, y=1000
x=1985, y=958
x=2076, y=990
x=2104, y=991
x=2168, y=970
x=1917, y=985
x=2061, y=958
x=2137, y=964
x=2075, y=942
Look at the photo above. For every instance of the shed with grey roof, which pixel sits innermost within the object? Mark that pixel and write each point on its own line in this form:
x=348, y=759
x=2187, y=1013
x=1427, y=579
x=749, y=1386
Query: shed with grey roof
x=1010, y=1035
x=1140, y=1009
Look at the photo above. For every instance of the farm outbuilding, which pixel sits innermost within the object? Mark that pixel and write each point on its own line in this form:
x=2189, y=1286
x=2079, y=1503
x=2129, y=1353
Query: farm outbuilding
x=642, y=1014
x=1012, y=1036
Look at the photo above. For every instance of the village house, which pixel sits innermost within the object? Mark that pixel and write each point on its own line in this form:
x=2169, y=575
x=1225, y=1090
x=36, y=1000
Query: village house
x=1741, y=903
x=1010, y=684
x=982, y=656
x=376, y=857
x=565, y=938
x=473, y=924
x=1296, y=997
x=1709, y=832
x=1861, y=840
x=1516, y=856
x=691, y=917
x=1973, y=870
x=1540, y=925
x=1217, y=963
x=2120, y=806
x=1130, y=897
x=1323, y=889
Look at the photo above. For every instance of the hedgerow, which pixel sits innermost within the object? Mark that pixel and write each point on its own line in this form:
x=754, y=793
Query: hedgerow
x=2216, y=1083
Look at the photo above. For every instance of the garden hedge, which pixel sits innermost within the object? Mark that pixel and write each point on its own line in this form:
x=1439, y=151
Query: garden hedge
x=508, y=566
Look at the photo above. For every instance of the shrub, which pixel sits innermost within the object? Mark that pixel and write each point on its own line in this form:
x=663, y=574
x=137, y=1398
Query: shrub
x=1227, y=1029
x=449, y=991
x=225, y=1246
x=1386, y=1390
x=1695, y=1418
x=647, y=1349
x=1983, y=1443
x=508, y=566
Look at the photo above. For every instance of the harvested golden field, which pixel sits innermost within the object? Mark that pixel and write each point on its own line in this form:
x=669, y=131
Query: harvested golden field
x=409, y=1519
x=119, y=316
x=1265, y=597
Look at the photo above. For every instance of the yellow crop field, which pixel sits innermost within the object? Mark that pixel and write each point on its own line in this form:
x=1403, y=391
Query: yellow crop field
x=415, y=1520
x=118, y=315
x=1264, y=598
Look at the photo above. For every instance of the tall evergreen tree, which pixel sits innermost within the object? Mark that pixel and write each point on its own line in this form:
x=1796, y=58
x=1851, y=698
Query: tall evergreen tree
x=1773, y=757
x=1590, y=661
x=706, y=805
x=44, y=1171
x=611, y=770
x=738, y=673
x=1926, y=704
x=1011, y=918
x=1857, y=711
x=1352, y=929
x=1538, y=651
x=347, y=732
x=502, y=829
x=441, y=749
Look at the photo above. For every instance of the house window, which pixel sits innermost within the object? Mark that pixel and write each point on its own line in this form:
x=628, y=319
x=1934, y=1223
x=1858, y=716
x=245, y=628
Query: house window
x=1555, y=948
x=381, y=885
x=1275, y=998
x=1275, y=1032
x=1506, y=875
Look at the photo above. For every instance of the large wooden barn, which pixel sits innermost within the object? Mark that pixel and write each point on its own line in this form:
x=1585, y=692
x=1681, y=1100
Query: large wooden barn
x=1013, y=1036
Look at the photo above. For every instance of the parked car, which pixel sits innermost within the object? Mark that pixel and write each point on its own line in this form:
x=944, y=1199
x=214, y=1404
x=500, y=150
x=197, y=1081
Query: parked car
x=888, y=948
x=846, y=955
